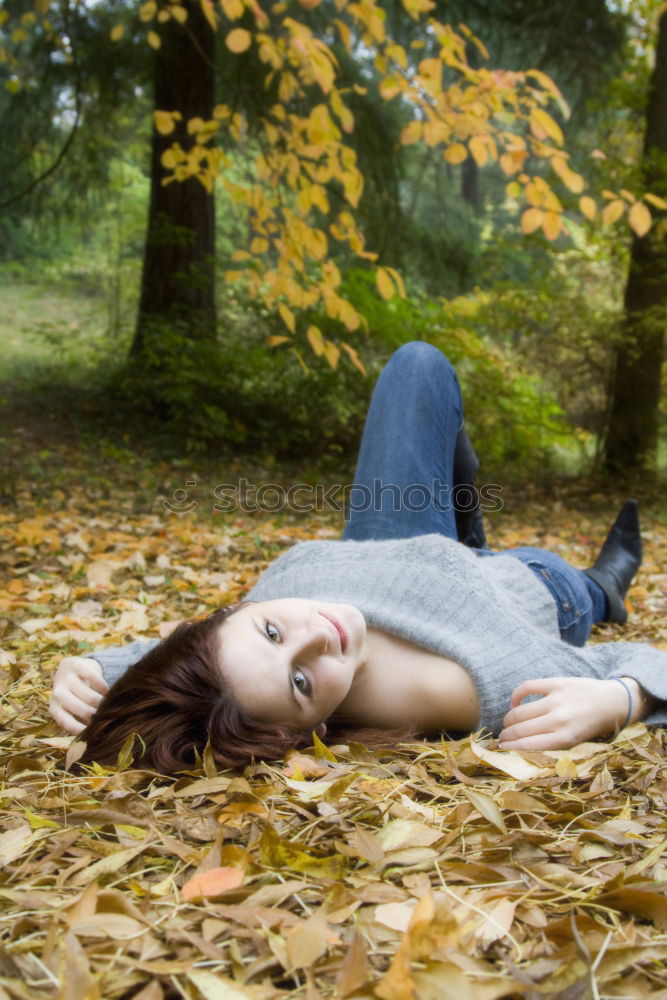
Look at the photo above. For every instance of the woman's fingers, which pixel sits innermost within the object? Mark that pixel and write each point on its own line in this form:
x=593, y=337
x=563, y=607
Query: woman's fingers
x=538, y=685
x=97, y=682
x=67, y=721
x=64, y=718
x=74, y=705
x=522, y=712
x=90, y=671
x=529, y=727
x=540, y=741
x=85, y=692
x=78, y=689
x=77, y=698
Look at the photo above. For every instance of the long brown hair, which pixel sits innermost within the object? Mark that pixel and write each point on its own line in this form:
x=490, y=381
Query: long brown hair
x=176, y=700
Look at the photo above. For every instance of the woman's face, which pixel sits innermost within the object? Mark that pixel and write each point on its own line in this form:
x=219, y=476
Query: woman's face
x=292, y=661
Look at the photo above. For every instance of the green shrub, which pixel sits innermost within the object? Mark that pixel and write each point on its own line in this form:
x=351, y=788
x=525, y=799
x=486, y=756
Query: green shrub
x=246, y=396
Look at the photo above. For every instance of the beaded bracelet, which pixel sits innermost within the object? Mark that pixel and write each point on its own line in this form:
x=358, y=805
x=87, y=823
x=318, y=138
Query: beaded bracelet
x=629, y=693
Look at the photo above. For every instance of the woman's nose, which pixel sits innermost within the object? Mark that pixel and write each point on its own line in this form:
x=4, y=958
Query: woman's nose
x=313, y=643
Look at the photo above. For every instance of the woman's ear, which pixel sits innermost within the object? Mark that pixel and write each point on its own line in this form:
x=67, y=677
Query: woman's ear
x=321, y=730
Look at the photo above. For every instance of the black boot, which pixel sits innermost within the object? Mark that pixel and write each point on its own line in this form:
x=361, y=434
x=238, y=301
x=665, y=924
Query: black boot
x=469, y=523
x=619, y=560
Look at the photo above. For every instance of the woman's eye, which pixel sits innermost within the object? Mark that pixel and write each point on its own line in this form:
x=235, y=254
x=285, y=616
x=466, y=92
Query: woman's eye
x=272, y=632
x=301, y=682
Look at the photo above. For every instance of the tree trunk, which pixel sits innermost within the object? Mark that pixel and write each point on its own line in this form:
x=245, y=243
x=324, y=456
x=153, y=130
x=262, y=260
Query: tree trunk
x=632, y=436
x=177, y=286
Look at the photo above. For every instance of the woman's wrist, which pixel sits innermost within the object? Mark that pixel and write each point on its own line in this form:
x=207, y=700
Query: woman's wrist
x=638, y=704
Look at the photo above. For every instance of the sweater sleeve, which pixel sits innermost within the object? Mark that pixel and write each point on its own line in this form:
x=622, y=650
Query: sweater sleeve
x=117, y=660
x=642, y=662
x=645, y=664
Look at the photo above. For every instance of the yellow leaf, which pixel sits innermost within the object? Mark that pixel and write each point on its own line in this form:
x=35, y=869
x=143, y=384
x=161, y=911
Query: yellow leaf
x=531, y=220
x=279, y=853
x=573, y=181
x=639, y=218
x=331, y=352
x=628, y=195
x=588, y=207
x=117, y=32
x=212, y=883
x=153, y=39
x=543, y=126
x=208, y=11
x=612, y=212
x=566, y=767
x=398, y=280
x=178, y=13
x=233, y=8
x=137, y=832
x=171, y=158
x=148, y=10
x=322, y=751
x=348, y=315
x=545, y=81
x=238, y=40
x=411, y=133
x=315, y=339
x=390, y=87
x=297, y=355
x=456, y=153
x=287, y=317
x=38, y=822
x=275, y=340
x=479, y=150
x=259, y=245
x=415, y=8
x=551, y=225
x=354, y=357
x=164, y=121
x=384, y=283
x=509, y=164
x=654, y=200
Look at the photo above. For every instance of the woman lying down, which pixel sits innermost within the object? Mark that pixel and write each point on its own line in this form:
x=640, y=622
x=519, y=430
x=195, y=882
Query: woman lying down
x=407, y=625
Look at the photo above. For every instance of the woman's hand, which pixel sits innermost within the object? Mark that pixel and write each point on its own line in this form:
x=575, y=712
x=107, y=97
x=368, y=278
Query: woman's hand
x=570, y=711
x=78, y=688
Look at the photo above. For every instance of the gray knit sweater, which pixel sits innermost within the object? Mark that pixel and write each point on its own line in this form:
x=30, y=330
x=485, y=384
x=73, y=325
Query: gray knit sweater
x=491, y=615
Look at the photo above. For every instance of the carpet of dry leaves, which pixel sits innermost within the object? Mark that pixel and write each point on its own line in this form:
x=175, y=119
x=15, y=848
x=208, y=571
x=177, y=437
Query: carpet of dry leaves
x=441, y=870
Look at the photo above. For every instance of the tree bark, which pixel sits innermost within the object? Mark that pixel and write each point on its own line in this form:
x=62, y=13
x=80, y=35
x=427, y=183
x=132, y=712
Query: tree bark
x=177, y=287
x=632, y=435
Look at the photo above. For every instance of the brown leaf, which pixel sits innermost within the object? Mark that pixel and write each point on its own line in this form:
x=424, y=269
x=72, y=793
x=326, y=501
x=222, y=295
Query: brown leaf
x=353, y=971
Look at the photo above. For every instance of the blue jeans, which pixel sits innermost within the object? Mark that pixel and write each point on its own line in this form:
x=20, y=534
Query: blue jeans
x=404, y=483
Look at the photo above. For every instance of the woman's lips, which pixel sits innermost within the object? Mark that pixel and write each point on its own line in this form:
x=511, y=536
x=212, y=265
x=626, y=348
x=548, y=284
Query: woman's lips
x=342, y=634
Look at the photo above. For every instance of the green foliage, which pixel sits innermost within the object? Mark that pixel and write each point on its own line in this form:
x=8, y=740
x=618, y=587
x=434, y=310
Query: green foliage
x=240, y=396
